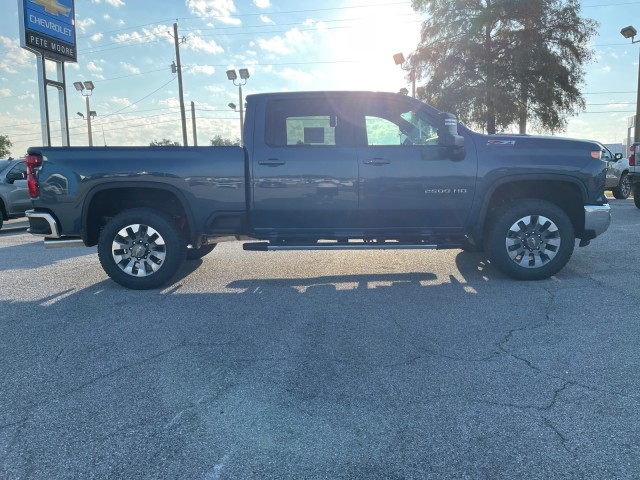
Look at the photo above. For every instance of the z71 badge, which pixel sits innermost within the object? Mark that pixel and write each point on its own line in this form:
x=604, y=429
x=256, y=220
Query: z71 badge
x=501, y=143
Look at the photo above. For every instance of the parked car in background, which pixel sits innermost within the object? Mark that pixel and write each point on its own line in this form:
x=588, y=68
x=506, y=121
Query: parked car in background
x=634, y=173
x=617, y=174
x=14, y=195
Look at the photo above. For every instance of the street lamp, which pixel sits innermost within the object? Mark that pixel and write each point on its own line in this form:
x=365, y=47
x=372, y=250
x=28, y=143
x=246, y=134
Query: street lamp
x=244, y=76
x=630, y=32
x=82, y=87
x=399, y=59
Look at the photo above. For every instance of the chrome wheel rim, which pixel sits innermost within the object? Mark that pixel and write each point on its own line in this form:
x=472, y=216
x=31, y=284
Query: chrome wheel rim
x=625, y=187
x=138, y=250
x=533, y=241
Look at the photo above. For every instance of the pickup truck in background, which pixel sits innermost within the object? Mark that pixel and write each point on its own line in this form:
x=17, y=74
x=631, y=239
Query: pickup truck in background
x=634, y=172
x=325, y=171
x=14, y=196
x=617, y=174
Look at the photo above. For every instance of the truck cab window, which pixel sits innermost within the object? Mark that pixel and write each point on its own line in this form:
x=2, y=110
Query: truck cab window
x=312, y=130
x=305, y=122
x=400, y=128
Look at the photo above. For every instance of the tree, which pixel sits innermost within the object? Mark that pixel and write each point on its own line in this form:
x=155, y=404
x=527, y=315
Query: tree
x=220, y=141
x=165, y=142
x=5, y=145
x=500, y=62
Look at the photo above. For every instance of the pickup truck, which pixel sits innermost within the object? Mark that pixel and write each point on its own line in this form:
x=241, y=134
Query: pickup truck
x=14, y=197
x=325, y=171
x=634, y=172
x=617, y=174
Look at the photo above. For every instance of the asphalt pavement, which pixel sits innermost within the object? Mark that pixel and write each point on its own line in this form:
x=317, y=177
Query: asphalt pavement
x=322, y=365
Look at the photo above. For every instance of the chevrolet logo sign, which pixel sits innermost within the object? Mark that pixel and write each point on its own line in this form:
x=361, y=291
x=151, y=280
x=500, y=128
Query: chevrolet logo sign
x=53, y=7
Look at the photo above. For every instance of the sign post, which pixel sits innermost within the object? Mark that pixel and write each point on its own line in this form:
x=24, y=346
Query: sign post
x=47, y=28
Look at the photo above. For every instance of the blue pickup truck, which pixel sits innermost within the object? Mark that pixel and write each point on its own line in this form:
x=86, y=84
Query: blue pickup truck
x=324, y=171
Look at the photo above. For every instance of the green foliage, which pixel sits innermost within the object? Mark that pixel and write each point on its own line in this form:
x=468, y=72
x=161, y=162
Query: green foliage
x=5, y=145
x=220, y=141
x=165, y=142
x=500, y=62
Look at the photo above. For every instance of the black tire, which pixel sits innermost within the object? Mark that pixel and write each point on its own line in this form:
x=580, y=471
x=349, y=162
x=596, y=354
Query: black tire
x=636, y=195
x=141, y=248
x=196, y=253
x=530, y=240
x=623, y=190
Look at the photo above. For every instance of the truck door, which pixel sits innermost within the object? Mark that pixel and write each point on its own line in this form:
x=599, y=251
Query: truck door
x=407, y=180
x=304, y=173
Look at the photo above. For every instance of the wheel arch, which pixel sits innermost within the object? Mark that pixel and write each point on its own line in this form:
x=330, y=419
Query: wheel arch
x=567, y=193
x=105, y=201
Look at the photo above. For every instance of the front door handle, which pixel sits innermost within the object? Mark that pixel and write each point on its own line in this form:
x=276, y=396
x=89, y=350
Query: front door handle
x=377, y=161
x=271, y=162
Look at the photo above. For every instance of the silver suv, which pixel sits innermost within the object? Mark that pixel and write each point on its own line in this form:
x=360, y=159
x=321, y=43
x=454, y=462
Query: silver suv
x=14, y=195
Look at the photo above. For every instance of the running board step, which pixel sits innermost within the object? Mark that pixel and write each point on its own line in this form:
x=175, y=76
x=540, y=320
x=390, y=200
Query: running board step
x=266, y=246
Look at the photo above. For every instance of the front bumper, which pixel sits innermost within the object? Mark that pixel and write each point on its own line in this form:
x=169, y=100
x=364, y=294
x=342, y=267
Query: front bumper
x=597, y=219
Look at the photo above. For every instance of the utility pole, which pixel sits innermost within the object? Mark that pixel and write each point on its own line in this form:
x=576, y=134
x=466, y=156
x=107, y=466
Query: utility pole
x=193, y=124
x=183, y=115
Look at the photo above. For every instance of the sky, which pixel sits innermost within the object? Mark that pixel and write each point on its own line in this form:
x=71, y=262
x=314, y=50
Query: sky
x=126, y=50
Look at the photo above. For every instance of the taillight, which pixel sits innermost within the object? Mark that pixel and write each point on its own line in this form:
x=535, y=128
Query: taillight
x=632, y=156
x=32, y=161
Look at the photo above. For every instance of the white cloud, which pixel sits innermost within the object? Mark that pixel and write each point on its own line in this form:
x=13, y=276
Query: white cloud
x=267, y=20
x=221, y=10
x=5, y=92
x=293, y=40
x=295, y=76
x=84, y=24
x=94, y=68
x=171, y=102
x=215, y=89
x=201, y=70
x=96, y=37
x=147, y=35
x=130, y=68
x=125, y=102
x=115, y=3
x=13, y=56
x=262, y=3
x=197, y=43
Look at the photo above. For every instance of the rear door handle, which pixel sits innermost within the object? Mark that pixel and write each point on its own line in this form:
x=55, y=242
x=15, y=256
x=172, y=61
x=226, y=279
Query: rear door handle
x=377, y=161
x=271, y=162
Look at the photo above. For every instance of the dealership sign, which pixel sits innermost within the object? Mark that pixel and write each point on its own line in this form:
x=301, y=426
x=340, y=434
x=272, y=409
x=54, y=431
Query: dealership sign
x=47, y=27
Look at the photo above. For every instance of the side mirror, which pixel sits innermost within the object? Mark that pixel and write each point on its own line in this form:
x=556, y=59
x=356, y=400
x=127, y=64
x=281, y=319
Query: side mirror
x=448, y=135
x=13, y=176
x=617, y=156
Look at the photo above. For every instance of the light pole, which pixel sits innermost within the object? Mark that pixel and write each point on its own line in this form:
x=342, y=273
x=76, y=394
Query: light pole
x=233, y=76
x=630, y=32
x=399, y=59
x=81, y=87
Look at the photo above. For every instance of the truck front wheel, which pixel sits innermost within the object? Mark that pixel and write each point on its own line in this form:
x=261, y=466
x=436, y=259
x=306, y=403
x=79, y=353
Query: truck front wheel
x=141, y=248
x=530, y=240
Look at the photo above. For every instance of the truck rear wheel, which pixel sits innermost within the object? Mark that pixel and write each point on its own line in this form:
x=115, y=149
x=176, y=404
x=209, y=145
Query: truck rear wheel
x=530, y=240
x=636, y=195
x=141, y=248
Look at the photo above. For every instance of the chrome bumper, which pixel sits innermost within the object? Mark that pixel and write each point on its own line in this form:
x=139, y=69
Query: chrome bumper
x=597, y=219
x=42, y=224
